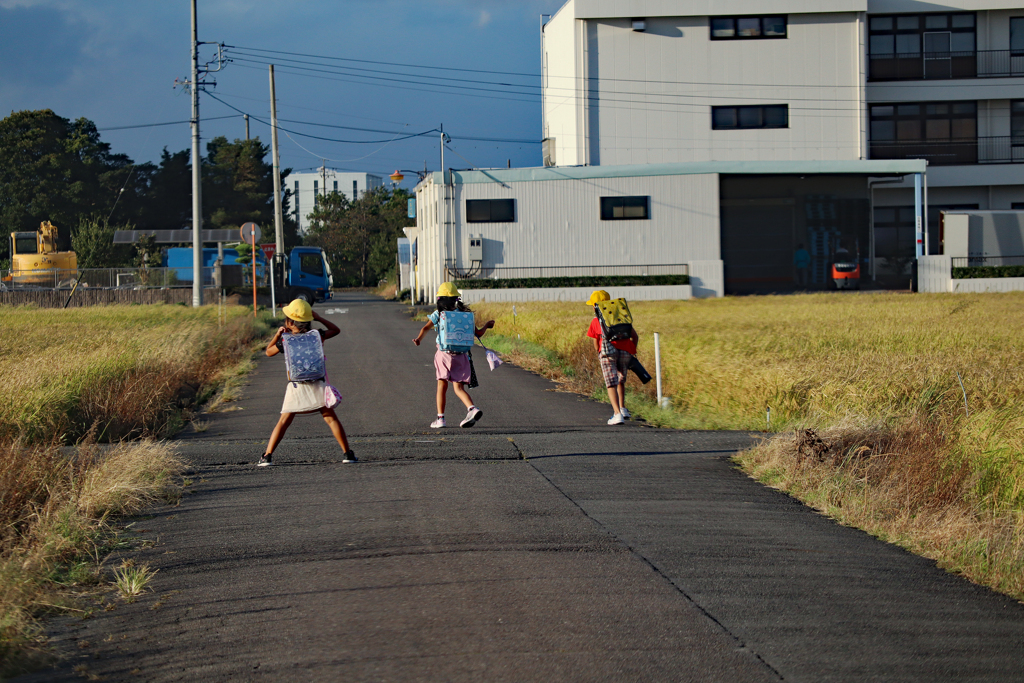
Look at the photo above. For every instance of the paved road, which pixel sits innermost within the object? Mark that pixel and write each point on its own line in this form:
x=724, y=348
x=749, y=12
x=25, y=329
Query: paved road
x=540, y=545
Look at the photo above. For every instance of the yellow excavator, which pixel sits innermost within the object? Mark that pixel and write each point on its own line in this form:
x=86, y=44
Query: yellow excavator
x=35, y=260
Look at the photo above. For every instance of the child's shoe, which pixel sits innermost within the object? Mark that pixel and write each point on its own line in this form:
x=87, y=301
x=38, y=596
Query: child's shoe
x=265, y=461
x=438, y=423
x=472, y=416
x=624, y=413
x=350, y=457
x=616, y=419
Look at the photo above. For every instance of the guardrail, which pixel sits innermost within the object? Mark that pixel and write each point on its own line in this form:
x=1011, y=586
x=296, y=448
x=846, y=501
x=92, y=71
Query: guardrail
x=452, y=272
x=945, y=65
x=986, y=261
x=999, y=149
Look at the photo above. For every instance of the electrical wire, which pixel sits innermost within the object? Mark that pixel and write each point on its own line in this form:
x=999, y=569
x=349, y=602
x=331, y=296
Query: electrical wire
x=167, y=123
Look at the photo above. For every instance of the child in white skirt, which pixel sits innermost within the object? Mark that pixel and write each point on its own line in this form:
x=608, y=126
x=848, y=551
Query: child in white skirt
x=303, y=397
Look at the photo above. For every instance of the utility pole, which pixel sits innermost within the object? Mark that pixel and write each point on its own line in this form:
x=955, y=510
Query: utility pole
x=278, y=211
x=197, y=199
x=246, y=127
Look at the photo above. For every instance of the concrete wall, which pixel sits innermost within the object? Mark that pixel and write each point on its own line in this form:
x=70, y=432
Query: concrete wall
x=576, y=294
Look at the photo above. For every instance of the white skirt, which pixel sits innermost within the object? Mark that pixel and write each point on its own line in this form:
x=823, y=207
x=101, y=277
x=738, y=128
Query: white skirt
x=303, y=397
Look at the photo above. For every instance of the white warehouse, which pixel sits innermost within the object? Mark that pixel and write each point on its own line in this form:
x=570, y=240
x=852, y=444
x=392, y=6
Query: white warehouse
x=810, y=125
x=307, y=188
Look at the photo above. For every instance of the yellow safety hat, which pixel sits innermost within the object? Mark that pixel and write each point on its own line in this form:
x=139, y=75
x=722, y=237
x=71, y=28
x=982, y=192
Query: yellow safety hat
x=299, y=311
x=598, y=295
x=447, y=289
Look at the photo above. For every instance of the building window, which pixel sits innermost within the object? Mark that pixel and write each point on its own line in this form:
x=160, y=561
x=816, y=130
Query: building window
x=490, y=210
x=355, y=190
x=942, y=132
x=747, y=28
x=625, y=208
x=1017, y=36
x=1017, y=122
x=760, y=116
x=335, y=187
x=921, y=46
x=296, y=201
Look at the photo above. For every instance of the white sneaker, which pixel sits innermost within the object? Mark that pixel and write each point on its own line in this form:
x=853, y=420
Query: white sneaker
x=438, y=423
x=472, y=416
x=616, y=419
x=624, y=413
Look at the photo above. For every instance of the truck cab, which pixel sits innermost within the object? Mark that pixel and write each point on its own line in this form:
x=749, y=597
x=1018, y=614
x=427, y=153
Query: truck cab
x=307, y=276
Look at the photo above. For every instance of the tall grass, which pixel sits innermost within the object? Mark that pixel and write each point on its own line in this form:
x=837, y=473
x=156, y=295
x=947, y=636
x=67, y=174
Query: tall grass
x=78, y=376
x=130, y=370
x=911, y=455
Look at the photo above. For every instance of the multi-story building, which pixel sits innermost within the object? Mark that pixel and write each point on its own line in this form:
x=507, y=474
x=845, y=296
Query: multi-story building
x=678, y=81
x=307, y=188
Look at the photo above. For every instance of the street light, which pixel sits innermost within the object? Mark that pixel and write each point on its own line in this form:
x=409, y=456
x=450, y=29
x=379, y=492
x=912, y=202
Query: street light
x=398, y=176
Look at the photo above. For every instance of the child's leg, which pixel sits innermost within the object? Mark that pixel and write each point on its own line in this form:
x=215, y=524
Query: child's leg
x=613, y=398
x=331, y=418
x=622, y=395
x=442, y=391
x=463, y=395
x=279, y=429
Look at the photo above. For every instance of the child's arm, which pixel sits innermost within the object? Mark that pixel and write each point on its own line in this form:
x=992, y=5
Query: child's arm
x=597, y=345
x=429, y=326
x=272, y=349
x=332, y=329
x=481, y=331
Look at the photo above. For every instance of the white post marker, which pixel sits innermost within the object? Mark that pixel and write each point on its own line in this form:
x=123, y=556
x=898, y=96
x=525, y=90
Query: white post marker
x=657, y=365
x=273, y=296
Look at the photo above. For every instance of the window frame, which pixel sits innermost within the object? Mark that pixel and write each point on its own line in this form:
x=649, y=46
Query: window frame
x=919, y=31
x=760, y=19
x=748, y=107
x=1016, y=51
x=511, y=203
x=608, y=205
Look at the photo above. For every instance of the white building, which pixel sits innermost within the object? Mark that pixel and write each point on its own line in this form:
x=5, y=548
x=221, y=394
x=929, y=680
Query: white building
x=306, y=188
x=810, y=122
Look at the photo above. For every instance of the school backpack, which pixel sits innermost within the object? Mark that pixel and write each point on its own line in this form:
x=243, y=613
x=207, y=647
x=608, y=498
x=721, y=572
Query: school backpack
x=455, y=331
x=304, y=356
x=616, y=320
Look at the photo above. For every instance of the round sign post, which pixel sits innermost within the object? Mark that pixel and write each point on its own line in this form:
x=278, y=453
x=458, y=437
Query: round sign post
x=251, y=235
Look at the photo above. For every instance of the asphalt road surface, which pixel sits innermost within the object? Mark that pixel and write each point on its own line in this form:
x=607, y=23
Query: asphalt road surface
x=540, y=545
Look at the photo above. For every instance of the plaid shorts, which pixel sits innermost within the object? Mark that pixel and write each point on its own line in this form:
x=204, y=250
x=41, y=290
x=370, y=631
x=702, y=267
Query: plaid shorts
x=614, y=366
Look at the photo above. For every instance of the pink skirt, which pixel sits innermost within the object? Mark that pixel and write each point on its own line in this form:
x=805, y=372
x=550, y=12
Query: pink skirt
x=452, y=368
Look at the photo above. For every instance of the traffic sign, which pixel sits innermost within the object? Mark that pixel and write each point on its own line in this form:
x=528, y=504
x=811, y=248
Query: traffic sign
x=269, y=250
x=251, y=233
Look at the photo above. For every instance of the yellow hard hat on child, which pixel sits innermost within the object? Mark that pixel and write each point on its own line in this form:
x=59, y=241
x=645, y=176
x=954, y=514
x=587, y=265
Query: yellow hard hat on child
x=300, y=311
x=598, y=295
x=448, y=289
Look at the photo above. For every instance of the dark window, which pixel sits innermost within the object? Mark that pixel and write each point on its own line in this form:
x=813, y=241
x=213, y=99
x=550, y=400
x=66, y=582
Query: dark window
x=1017, y=36
x=1017, y=122
x=942, y=132
x=922, y=46
x=25, y=243
x=745, y=28
x=490, y=210
x=311, y=264
x=625, y=208
x=758, y=116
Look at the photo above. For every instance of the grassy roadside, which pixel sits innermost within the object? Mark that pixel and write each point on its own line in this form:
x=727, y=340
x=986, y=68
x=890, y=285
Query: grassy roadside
x=897, y=446
x=72, y=378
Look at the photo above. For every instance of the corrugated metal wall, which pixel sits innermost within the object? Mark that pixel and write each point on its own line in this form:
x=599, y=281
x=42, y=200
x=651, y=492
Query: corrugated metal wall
x=558, y=223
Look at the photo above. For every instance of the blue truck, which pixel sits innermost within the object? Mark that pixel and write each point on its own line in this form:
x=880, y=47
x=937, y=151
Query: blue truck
x=307, y=274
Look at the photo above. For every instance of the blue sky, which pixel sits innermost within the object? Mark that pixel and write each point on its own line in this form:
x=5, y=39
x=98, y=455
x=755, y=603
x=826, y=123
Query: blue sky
x=115, y=63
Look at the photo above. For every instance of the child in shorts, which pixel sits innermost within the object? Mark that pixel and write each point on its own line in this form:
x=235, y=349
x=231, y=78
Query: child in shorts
x=614, y=358
x=452, y=367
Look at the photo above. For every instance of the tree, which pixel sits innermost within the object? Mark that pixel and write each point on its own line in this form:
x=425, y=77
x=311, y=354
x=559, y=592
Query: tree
x=93, y=243
x=360, y=237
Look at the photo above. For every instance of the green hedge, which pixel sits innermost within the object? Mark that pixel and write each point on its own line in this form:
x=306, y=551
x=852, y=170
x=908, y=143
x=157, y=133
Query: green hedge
x=595, y=282
x=988, y=271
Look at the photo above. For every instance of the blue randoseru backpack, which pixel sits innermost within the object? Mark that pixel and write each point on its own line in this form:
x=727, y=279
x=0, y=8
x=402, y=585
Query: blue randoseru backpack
x=304, y=356
x=455, y=332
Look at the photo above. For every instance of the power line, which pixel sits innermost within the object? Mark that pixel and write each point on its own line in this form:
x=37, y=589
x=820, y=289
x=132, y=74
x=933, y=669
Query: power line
x=167, y=123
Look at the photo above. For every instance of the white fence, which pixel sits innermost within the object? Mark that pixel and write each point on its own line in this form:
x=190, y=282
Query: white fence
x=935, y=274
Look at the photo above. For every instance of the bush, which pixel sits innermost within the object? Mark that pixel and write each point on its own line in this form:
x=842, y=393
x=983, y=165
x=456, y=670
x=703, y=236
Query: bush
x=552, y=282
x=987, y=271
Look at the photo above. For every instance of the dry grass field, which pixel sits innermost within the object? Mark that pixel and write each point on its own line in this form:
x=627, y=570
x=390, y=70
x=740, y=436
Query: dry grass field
x=915, y=404
x=73, y=378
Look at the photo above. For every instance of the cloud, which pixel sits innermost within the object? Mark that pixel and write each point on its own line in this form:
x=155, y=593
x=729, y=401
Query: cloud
x=485, y=18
